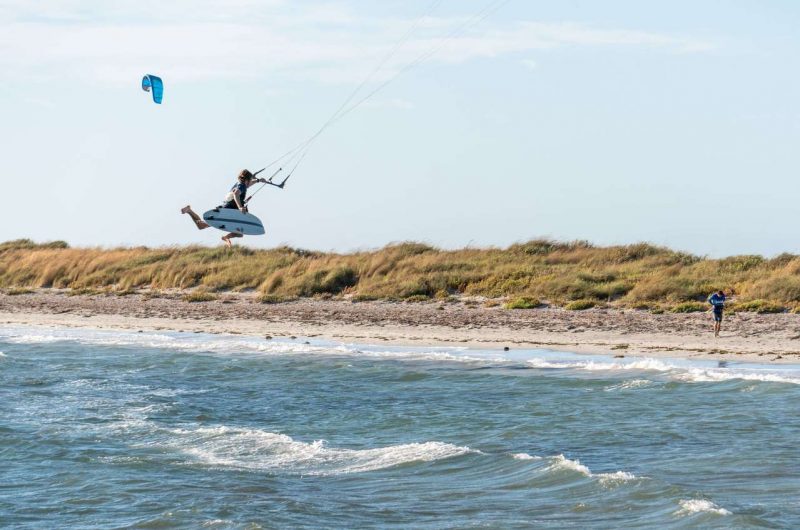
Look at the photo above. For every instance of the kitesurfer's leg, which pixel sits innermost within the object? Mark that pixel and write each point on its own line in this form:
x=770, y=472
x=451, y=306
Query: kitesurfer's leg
x=196, y=218
x=227, y=238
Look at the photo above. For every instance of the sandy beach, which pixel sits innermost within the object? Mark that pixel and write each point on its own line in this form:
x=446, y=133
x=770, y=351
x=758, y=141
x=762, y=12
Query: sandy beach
x=745, y=337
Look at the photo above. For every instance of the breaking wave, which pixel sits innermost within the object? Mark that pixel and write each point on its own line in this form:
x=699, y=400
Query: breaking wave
x=257, y=450
x=692, y=506
x=562, y=463
x=675, y=370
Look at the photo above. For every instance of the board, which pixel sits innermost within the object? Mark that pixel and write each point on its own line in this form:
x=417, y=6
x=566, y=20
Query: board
x=231, y=220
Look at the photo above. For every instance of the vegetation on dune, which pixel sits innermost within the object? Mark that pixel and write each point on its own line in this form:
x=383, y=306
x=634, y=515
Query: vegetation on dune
x=690, y=307
x=524, y=302
x=580, y=305
x=199, y=296
x=576, y=274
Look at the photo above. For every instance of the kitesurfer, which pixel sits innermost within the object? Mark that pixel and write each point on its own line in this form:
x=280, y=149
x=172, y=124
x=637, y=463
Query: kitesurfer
x=235, y=199
x=717, y=301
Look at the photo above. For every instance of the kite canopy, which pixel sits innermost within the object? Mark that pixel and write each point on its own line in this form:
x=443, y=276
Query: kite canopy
x=153, y=82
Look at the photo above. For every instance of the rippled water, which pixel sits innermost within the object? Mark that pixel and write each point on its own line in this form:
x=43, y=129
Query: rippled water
x=115, y=429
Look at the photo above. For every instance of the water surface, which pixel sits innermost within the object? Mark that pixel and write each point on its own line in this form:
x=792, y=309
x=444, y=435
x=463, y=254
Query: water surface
x=109, y=429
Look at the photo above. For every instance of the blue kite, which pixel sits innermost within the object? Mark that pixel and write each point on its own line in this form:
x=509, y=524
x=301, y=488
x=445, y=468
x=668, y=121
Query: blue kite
x=153, y=82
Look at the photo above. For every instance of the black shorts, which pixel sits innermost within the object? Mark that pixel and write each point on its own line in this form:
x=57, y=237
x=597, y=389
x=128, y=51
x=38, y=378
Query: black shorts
x=718, y=315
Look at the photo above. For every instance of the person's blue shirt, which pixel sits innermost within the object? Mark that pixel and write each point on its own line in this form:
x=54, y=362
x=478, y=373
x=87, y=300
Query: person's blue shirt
x=717, y=300
x=239, y=188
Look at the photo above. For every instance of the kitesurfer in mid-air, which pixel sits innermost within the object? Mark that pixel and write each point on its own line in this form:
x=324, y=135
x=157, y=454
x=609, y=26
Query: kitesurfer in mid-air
x=235, y=199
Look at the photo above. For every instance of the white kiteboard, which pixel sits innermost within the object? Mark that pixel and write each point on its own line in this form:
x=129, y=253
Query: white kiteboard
x=232, y=220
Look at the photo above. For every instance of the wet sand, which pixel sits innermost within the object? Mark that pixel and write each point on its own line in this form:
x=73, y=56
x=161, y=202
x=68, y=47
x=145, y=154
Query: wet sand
x=745, y=336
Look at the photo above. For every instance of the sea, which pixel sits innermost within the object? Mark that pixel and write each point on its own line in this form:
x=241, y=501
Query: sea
x=128, y=429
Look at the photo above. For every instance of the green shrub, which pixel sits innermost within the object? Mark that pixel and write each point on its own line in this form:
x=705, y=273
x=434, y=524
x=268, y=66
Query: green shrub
x=417, y=298
x=580, y=305
x=759, y=306
x=523, y=303
x=690, y=307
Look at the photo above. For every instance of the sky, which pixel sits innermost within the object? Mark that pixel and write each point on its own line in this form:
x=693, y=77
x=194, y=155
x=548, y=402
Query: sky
x=490, y=121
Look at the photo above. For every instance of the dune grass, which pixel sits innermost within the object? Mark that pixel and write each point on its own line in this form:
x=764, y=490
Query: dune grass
x=575, y=274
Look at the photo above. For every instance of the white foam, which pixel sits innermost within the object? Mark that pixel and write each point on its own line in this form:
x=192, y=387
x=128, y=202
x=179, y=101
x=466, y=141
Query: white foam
x=629, y=384
x=560, y=463
x=216, y=522
x=612, y=479
x=684, y=371
x=679, y=371
x=258, y=450
x=32, y=339
x=644, y=364
x=525, y=456
x=3, y=354
x=711, y=375
x=692, y=506
x=225, y=344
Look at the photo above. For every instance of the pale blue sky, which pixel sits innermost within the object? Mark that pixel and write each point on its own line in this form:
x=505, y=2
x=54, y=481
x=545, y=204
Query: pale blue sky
x=674, y=122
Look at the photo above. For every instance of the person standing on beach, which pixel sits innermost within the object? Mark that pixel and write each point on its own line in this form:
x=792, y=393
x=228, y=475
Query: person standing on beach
x=717, y=301
x=234, y=200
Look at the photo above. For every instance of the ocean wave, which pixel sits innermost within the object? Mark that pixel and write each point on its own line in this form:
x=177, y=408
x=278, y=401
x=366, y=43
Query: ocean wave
x=645, y=364
x=710, y=375
x=679, y=371
x=216, y=522
x=258, y=450
x=629, y=384
x=682, y=371
x=692, y=506
x=225, y=344
x=525, y=456
x=562, y=463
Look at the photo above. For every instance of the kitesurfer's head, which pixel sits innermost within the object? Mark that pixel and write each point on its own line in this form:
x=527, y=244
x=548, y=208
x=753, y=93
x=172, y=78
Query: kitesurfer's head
x=245, y=176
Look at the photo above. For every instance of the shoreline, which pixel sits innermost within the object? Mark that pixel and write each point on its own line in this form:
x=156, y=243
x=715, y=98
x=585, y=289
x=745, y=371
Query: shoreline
x=746, y=337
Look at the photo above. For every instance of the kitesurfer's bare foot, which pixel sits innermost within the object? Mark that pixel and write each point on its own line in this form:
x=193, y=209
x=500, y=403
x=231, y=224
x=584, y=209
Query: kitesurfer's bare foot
x=196, y=218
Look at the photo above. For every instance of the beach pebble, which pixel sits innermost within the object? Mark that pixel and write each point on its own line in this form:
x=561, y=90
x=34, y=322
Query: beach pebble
x=619, y=356
x=292, y=337
x=506, y=348
x=268, y=337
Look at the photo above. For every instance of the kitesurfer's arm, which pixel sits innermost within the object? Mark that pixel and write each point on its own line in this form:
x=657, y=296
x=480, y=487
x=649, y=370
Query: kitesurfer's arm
x=239, y=201
x=256, y=181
